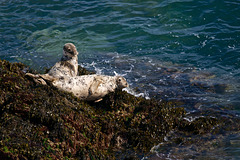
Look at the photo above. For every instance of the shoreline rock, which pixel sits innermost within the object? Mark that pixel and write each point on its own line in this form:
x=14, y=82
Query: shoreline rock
x=41, y=122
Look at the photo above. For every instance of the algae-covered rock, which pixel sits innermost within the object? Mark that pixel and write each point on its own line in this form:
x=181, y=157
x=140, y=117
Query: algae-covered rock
x=41, y=122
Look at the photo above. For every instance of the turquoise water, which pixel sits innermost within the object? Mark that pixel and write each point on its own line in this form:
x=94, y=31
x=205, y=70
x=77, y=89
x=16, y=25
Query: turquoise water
x=183, y=50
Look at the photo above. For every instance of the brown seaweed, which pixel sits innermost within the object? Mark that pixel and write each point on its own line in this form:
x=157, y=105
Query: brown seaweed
x=41, y=122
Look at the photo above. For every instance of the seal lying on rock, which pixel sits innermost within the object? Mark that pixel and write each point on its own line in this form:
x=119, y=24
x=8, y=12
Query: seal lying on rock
x=88, y=87
x=67, y=66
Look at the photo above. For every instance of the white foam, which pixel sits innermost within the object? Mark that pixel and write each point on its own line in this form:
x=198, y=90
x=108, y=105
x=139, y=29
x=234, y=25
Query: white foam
x=117, y=74
x=130, y=91
x=13, y=56
x=92, y=65
x=191, y=119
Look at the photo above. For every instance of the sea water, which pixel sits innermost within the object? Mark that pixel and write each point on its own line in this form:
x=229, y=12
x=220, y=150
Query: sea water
x=182, y=50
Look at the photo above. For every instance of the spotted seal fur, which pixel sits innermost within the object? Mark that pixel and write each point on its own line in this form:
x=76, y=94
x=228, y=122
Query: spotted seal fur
x=67, y=66
x=89, y=87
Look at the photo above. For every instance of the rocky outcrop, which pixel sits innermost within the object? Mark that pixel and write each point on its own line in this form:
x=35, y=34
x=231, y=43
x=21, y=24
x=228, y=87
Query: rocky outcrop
x=41, y=122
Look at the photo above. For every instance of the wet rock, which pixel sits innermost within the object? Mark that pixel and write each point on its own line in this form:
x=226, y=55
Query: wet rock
x=41, y=122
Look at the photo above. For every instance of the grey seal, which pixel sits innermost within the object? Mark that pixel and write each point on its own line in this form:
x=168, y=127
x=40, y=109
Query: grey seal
x=91, y=87
x=88, y=87
x=67, y=66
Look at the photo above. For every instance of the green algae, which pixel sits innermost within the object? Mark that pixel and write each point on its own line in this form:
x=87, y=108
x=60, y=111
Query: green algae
x=41, y=122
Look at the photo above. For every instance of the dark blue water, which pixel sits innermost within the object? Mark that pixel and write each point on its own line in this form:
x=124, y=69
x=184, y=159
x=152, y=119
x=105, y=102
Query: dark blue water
x=182, y=50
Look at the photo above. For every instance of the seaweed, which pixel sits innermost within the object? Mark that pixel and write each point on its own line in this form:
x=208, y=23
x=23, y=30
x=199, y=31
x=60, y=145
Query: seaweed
x=42, y=122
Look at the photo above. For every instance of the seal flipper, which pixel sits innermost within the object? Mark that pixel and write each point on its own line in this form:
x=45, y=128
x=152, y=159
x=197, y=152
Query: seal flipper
x=94, y=89
x=36, y=78
x=47, y=77
x=32, y=75
x=98, y=100
x=94, y=86
x=41, y=78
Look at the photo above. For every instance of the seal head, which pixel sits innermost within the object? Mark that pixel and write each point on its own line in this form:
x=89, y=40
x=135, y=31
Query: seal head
x=121, y=82
x=69, y=51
